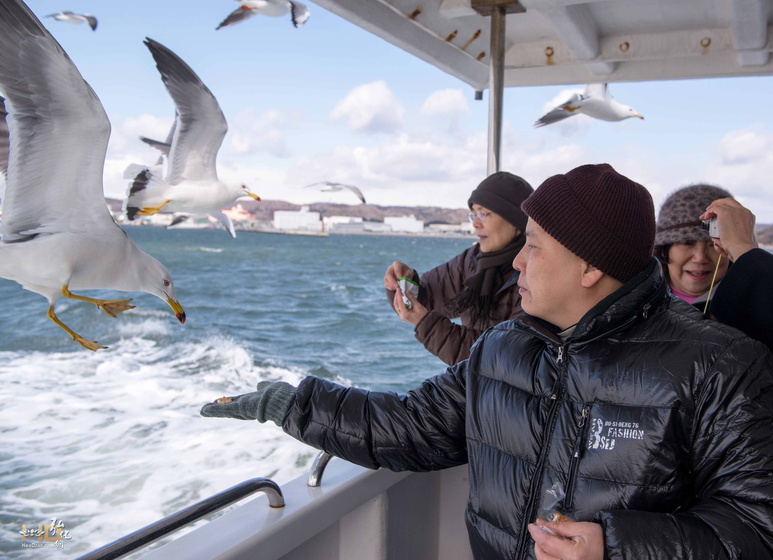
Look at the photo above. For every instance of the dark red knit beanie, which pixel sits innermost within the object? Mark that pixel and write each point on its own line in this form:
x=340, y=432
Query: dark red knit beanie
x=599, y=215
x=503, y=193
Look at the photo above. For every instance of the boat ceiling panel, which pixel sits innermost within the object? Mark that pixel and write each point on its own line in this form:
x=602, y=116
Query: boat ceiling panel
x=557, y=42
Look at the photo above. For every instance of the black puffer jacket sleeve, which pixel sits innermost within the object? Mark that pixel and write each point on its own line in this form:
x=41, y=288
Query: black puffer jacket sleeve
x=744, y=298
x=420, y=431
x=732, y=513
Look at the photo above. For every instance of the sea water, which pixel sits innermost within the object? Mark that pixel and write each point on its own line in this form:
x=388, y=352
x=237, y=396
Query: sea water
x=104, y=443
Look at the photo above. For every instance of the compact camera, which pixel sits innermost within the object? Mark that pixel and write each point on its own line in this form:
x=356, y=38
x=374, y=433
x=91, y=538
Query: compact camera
x=712, y=227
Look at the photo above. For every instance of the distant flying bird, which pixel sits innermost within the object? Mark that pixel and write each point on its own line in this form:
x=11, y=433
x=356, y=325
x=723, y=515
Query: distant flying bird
x=595, y=102
x=328, y=186
x=57, y=233
x=274, y=8
x=72, y=17
x=190, y=185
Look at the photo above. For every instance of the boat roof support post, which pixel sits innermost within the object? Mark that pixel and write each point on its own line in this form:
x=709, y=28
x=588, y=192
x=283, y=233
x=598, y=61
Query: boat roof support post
x=496, y=87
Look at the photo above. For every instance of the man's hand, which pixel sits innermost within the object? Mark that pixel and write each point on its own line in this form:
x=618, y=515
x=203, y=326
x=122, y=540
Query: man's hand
x=396, y=270
x=570, y=540
x=413, y=315
x=736, y=227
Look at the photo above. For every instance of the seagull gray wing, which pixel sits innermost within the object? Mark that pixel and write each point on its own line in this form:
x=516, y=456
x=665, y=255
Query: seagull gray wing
x=300, y=13
x=355, y=190
x=57, y=152
x=165, y=146
x=239, y=14
x=3, y=137
x=91, y=20
x=162, y=147
x=561, y=112
x=200, y=125
x=226, y=221
x=599, y=91
x=557, y=114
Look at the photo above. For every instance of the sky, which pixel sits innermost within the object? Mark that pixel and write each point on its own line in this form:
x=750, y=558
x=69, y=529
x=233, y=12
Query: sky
x=332, y=102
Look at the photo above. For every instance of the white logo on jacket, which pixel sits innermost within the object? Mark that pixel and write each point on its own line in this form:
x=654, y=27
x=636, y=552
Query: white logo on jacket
x=605, y=433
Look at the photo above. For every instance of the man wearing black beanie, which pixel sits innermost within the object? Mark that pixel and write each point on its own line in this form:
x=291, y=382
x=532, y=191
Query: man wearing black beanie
x=609, y=421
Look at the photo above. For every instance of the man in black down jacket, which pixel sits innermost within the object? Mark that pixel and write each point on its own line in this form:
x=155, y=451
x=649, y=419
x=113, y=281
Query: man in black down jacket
x=610, y=402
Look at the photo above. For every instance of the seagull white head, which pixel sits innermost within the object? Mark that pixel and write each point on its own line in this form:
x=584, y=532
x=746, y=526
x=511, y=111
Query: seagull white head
x=152, y=277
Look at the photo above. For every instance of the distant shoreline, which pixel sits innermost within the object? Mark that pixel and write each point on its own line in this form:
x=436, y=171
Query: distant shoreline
x=303, y=233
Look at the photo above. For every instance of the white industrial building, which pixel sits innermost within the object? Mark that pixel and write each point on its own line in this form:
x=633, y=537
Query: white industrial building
x=408, y=224
x=303, y=220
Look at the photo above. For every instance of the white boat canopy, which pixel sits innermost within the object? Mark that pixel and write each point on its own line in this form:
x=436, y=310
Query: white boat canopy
x=552, y=42
x=509, y=43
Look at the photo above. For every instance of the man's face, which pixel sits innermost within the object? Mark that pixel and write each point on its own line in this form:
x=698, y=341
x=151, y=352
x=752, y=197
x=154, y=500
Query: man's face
x=550, y=281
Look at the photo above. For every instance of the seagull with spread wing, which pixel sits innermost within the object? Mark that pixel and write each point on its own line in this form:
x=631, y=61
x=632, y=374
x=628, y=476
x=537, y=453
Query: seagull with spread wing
x=190, y=185
x=595, y=101
x=72, y=17
x=329, y=186
x=274, y=8
x=57, y=232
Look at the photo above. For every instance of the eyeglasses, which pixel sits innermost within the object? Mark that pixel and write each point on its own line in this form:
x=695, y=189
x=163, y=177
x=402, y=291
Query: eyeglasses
x=480, y=214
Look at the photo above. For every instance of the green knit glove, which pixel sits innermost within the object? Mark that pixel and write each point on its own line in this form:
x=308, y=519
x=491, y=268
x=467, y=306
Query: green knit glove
x=271, y=401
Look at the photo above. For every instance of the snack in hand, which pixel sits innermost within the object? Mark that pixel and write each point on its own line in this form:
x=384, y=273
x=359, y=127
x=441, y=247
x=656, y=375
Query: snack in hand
x=224, y=400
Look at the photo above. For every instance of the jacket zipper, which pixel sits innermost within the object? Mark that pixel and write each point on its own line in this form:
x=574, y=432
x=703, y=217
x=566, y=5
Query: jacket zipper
x=582, y=425
x=533, y=502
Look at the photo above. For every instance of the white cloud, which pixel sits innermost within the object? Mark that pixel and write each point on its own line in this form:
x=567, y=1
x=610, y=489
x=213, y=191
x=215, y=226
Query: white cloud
x=446, y=103
x=745, y=168
x=262, y=133
x=125, y=137
x=370, y=108
x=446, y=107
x=743, y=146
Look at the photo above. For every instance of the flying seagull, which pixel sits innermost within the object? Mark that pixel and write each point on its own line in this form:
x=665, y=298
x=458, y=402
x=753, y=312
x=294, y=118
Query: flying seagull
x=57, y=233
x=328, y=186
x=274, y=8
x=595, y=102
x=190, y=186
x=72, y=17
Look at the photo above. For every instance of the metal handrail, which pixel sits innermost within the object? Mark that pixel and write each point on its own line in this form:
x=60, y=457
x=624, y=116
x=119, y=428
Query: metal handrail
x=171, y=523
x=317, y=469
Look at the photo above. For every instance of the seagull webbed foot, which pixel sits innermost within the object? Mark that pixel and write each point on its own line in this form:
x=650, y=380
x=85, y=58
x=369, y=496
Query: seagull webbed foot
x=152, y=210
x=114, y=307
x=111, y=307
x=87, y=344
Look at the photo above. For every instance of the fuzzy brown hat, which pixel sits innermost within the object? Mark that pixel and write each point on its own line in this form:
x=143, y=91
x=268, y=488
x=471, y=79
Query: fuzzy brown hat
x=679, y=218
x=503, y=192
x=601, y=216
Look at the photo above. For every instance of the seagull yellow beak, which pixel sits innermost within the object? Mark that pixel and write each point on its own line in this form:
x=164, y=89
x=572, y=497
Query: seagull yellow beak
x=179, y=312
x=639, y=117
x=250, y=194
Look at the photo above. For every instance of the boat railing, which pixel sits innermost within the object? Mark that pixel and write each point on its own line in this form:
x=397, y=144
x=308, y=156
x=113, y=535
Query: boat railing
x=186, y=516
x=317, y=469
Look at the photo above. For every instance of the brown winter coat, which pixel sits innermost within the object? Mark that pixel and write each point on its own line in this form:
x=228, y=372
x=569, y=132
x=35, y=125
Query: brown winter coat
x=444, y=338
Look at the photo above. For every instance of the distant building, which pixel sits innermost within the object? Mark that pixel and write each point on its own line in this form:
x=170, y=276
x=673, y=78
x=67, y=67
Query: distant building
x=376, y=227
x=304, y=220
x=343, y=224
x=464, y=227
x=407, y=224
